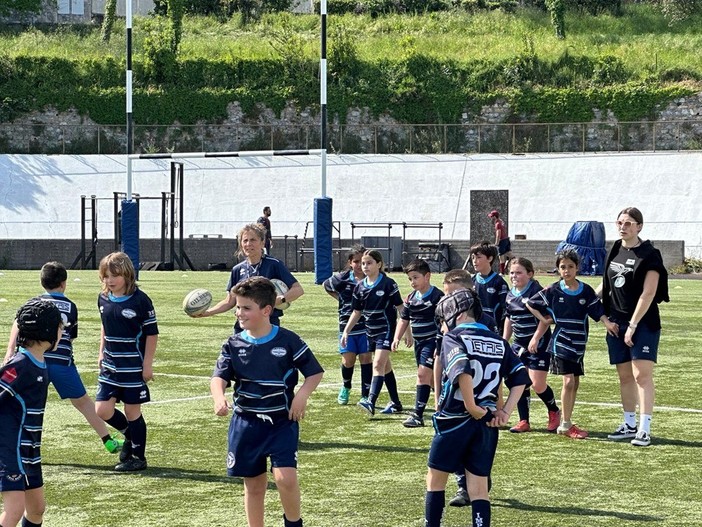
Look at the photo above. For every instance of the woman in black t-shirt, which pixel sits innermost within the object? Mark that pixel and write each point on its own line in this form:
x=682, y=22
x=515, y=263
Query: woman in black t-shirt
x=635, y=281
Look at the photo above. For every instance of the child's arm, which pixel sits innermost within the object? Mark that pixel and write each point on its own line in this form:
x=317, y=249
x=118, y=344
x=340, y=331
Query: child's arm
x=465, y=384
x=399, y=331
x=102, y=345
x=540, y=331
x=299, y=403
x=503, y=414
x=217, y=388
x=149, y=352
x=507, y=331
x=355, y=317
x=537, y=314
x=221, y=307
x=11, y=342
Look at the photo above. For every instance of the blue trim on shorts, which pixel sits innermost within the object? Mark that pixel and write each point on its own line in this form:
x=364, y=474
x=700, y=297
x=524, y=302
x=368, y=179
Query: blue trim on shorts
x=645, y=345
x=66, y=380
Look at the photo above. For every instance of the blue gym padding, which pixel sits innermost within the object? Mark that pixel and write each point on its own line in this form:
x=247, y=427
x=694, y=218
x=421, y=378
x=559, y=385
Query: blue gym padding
x=588, y=240
x=323, y=268
x=130, y=232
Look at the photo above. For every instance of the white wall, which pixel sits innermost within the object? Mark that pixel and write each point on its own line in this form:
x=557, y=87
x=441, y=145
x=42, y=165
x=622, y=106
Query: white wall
x=40, y=195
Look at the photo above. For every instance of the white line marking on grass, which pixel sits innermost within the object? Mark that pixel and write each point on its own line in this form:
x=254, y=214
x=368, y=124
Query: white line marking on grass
x=181, y=399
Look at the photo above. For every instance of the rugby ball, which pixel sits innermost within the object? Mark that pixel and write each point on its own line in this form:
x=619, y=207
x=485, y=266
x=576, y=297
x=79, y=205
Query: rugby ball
x=280, y=289
x=196, y=302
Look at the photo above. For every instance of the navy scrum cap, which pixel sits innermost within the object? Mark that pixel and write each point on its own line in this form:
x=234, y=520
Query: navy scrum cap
x=38, y=320
x=460, y=301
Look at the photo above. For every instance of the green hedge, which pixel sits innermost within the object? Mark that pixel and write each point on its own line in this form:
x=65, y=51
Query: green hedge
x=417, y=89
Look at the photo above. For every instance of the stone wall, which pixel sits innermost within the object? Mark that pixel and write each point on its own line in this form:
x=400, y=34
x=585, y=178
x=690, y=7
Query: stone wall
x=204, y=252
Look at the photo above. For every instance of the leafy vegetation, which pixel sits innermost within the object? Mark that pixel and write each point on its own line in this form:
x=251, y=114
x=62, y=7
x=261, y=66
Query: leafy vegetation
x=421, y=69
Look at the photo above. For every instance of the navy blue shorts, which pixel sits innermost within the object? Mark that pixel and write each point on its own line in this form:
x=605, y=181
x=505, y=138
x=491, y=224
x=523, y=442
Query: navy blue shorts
x=645, y=344
x=357, y=344
x=539, y=361
x=471, y=447
x=561, y=366
x=504, y=246
x=381, y=342
x=139, y=395
x=424, y=352
x=21, y=482
x=66, y=380
x=252, y=440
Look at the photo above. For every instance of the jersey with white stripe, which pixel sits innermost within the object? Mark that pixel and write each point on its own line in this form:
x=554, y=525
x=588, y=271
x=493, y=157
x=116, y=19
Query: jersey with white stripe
x=63, y=354
x=343, y=285
x=24, y=384
x=268, y=267
x=475, y=350
x=265, y=370
x=570, y=311
x=524, y=323
x=492, y=291
x=420, y=310
x=127, y=321
x=378, y=302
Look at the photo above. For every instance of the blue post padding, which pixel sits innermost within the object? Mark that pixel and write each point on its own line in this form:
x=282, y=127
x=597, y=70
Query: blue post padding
x=130, y=231
x=323, y=268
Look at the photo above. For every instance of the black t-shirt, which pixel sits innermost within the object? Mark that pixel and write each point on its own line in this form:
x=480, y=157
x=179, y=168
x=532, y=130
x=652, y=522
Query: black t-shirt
x=624, y=281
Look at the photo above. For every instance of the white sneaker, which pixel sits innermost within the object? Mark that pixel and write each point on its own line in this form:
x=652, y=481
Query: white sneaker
x=642, y=438
x=623, y=432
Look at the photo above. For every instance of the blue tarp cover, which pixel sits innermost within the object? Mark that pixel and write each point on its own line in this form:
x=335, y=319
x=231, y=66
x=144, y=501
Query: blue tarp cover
x=588, y=240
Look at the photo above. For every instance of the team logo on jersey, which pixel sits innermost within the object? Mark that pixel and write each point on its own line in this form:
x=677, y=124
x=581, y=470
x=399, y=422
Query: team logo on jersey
x=265, y=418
x=279, y=352
x=561, y=300
x=242, y=352
x=380, y=293
x=40, y=378
x=490, y=290
x=128, y=313
x=231, y=460
x=142, y=394
x=581, y=301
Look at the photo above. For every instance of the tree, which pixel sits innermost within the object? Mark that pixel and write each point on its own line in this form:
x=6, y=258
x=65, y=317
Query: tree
x=678, y=10
x=109, y=21
x=557, y=8
x=19, y=6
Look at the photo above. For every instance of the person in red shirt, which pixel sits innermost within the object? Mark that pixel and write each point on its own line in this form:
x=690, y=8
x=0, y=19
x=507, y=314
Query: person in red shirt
x=504, y=245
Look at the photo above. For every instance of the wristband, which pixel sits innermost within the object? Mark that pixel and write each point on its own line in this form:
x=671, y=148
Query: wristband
x=284, y=301
x=632, y=325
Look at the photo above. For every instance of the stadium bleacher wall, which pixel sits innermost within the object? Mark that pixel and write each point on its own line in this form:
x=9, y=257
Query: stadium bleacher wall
x=40, y=195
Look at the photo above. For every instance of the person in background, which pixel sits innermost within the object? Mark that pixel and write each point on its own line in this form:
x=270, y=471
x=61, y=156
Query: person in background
x=502, y=241
x=266, y=223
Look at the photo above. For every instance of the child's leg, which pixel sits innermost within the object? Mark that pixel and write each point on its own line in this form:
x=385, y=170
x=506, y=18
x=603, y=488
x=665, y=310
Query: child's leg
x=523, y=405
x=391, y=383
x=379, y=364
x=568, y=392
x=254, y=496
x=425, y=379
x=35, y=505
x=348, y=361
x=435, y=498
x=543, y=390
x=289, y=490
x=86, y=407
x=137, y=429
x=12, y=507
x=366, y=360
x=479, y=499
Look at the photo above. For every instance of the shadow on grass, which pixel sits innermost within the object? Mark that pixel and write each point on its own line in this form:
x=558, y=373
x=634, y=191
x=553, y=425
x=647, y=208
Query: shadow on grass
x=575, y=511
x=309, y=445
x=160, y=472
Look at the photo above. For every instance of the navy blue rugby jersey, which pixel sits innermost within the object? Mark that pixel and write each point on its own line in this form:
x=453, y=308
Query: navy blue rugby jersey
x=63, y=354
x=420, y=310
x=487, y=358
x=343, y=285
x=569, y=310
x=524, y=323
x=492, y=291
x=127, y=321
x=24, y=384
x=378, y=301
x=265, y=370
x=269, y=268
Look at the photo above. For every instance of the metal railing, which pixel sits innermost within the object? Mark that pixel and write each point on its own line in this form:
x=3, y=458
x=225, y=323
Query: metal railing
x=505, y=138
